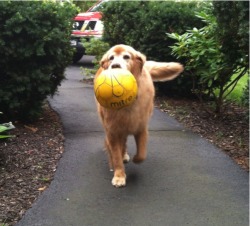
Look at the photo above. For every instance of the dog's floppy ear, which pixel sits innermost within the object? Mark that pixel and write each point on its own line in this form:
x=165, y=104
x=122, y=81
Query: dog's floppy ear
x=139, y=60
x=104, y=61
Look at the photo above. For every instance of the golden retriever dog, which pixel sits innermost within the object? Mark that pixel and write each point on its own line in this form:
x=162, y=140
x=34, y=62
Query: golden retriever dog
x=131, y=120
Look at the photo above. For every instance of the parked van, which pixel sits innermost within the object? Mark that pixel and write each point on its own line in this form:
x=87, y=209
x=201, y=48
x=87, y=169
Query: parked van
x=86, y=25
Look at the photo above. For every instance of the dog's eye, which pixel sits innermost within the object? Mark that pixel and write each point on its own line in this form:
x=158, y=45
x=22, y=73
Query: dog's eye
x=111, y=58
x=126, y=57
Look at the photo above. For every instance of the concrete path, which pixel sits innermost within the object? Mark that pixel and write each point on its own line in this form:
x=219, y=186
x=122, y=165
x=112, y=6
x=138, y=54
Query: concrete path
x=184, y=181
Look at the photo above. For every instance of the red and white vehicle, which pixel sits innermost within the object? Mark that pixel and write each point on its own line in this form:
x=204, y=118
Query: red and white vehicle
x=86, y=25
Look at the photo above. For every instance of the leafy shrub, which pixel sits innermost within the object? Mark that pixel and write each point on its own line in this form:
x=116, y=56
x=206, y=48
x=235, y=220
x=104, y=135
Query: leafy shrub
x=95, y=47
x=144, y=25
x=233, y=34
x=83, y=5
x=233, y=31
x=201, y=53
x=35, y=49
x=210, y=59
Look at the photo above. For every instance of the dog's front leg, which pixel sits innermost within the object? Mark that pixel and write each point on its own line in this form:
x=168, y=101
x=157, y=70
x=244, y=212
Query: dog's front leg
x=141, y=143
x=119, y=179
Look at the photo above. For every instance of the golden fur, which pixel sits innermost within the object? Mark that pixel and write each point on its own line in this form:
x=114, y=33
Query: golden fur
x=131, y=120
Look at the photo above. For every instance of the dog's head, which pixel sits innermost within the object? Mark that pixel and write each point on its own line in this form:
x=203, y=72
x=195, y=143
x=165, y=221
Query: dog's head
x=125, y=57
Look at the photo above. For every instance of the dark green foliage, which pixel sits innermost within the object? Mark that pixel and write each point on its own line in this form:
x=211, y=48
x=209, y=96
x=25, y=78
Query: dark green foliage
x=233, y=30
x=83, y=5
x=144, y=24
x=35, y=49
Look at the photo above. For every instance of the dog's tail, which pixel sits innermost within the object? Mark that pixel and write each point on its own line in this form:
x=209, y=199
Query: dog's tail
x=162, y=72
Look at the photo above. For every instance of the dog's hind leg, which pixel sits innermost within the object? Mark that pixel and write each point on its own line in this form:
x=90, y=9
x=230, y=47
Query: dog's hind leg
x=125, y=155
x=107, y=149
x=141, y=142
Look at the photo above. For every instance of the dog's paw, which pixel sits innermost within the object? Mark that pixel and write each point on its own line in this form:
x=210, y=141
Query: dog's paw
x=119, y=181
x=138, y=159
x=126, y=158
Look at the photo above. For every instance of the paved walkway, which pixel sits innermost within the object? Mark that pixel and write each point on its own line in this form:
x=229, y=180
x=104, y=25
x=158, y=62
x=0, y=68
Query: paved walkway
x=184, y=181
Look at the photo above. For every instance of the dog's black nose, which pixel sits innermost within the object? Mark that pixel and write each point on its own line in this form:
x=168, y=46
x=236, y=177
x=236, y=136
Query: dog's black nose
x=115, y=66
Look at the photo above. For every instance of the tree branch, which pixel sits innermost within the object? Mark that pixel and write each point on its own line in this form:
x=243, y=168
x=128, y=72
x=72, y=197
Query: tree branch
x=234, y=82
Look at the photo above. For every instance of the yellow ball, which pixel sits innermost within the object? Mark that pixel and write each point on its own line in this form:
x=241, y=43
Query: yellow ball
x=115, y=88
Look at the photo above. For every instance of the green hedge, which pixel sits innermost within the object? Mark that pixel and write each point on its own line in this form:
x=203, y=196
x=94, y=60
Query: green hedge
x=35, y=50
x=144, y=24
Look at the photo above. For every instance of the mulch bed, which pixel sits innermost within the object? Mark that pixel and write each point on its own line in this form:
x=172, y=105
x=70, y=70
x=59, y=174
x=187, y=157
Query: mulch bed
x=229, y=132
x=28, y=161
